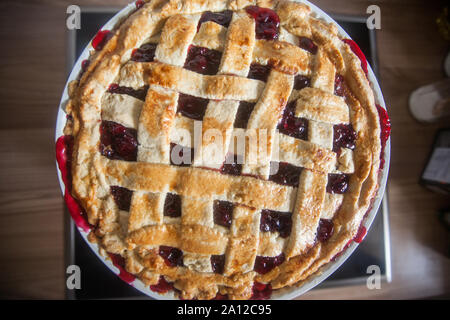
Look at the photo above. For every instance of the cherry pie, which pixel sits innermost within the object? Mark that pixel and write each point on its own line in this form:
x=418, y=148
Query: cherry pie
x=212, y=218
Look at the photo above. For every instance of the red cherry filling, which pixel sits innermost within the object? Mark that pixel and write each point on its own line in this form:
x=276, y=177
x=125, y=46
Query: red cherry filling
x=77, y=213
x=84, y=67
x=218, y=263
x=385, y=124
x=119, y=262
x=291, y=125
x=138, y=94
x=162, y=286
x=64, y=148
x=139, y=4
x=146, y=53
x=223, y=213
x=308, y=45
x=337, y=183
x=358, y=239
x=261, y=291
x=243, y=114
x=172, y=256
x=100, y=39
x=192, y=107
x=122, y=197
x=232, y=165
x=223, y=18
x=265, y=264
x=339, y=85
x=301, y=82
x=362, y=231
x=274, y=221
x=259, y=72
x=172, y=205
x=325, y=230
x=85, y=64
x=267, y=22
x=203, y=60
x=181, y=156
x=343, y=137
x=287, y=174
x=118, y=142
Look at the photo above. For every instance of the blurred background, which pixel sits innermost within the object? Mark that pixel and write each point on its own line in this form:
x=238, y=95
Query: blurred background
x=410, y=48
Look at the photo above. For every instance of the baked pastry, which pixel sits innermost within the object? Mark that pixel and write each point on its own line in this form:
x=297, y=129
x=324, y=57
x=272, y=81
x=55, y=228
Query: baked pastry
x=286, y=166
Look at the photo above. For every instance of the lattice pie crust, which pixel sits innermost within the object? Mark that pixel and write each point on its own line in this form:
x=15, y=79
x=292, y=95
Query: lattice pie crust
x=137, y=231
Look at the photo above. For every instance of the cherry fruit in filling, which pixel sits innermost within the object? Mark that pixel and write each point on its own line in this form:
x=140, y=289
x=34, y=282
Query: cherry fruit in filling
x=203, y=60
x=146, y=53
x=139, y=4
x=223, y=213
x=218, y=263
x=259, y=72
x=337, y=183
x=385, y=124
x=223, y=18
x=122, y=197
x=274, y=221
x=308, y=45
x=339, y=85
x=135, y=93
x=287, y=174
x=162, y=286
x=100, y=39
x=362, y=231
x=84, y=66
x=118, y=142
x=119, y=262
x=64, y=148
x=172, y=205
x=261, y=291
x=301, y=82
x=267, y=22
x=172, y=256
x=232, y=165
x=265, y=264
x=325, y=230
x=343, y=137
x=192, y=107
x=243, y=114
x=292, y=125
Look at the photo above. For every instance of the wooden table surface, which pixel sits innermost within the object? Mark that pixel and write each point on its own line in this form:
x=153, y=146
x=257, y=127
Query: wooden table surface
x=33, y=74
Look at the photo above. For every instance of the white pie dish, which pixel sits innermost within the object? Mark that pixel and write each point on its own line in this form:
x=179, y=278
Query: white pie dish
x=285, y=293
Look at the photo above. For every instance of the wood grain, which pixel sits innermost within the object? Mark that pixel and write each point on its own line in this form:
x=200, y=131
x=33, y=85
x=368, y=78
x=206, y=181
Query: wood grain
x=33, y=60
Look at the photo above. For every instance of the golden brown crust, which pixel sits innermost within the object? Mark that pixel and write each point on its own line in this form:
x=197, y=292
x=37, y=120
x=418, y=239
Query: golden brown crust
x=282, y=56
x=155, y=125
x=137, y=234
x=240, y=42
x=318, y=105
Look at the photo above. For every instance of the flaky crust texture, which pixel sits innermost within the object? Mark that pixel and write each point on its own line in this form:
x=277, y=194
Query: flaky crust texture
x=136, y=235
